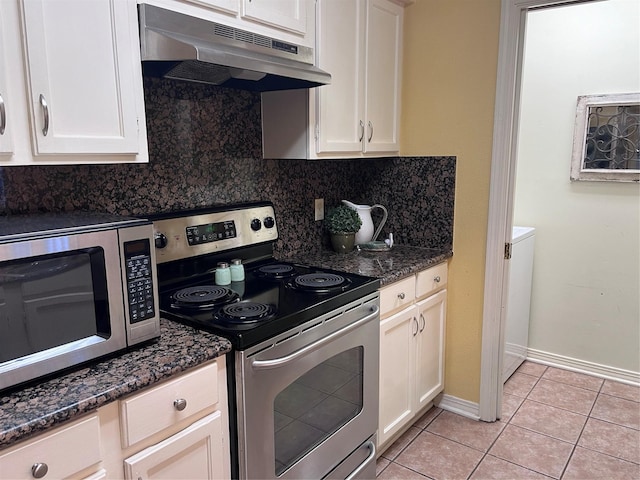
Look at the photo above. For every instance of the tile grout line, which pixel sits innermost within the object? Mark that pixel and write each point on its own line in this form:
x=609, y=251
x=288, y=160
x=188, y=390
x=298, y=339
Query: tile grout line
x=573, y=450
x=505, y=427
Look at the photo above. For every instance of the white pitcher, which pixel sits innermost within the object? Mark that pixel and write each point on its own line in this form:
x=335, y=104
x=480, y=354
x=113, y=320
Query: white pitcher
x=366, y=234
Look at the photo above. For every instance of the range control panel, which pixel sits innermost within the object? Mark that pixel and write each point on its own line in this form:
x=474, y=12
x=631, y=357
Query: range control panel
x=186, y=235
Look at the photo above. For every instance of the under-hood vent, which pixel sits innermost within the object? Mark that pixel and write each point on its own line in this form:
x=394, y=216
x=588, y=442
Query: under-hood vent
x=182, y=47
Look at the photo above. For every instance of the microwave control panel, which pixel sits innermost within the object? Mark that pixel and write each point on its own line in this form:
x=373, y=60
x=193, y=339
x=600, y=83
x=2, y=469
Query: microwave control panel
x=139, y=280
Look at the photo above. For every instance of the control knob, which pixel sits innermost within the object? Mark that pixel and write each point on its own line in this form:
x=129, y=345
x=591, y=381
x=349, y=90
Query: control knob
x=160, y=239
x=269, y=222
x=256, y=224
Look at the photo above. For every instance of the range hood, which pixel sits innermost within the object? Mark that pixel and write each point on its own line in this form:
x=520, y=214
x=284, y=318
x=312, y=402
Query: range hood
x=182, y=47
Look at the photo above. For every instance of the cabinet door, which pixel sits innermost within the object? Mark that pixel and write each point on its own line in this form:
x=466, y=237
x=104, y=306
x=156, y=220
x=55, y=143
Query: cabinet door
x=6, y=140
x=430, y=347
x=195, y=452
x=230, y=6
x=383, y=66
x=341, y=52
x=397, y=372
x=286, y=14
x=80, y=59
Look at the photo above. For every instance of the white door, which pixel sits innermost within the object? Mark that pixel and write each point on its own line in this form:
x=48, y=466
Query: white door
x=430, y=348
x=6, y=140
x=80, y=59
x=195, y=452
x=384, y=54
x=341, y=52
x=397, y=372
x=285, y=14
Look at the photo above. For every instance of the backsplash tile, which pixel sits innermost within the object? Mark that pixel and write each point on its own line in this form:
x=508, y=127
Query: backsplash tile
x=205, y=149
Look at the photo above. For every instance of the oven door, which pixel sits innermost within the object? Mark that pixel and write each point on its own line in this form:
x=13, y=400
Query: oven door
x=307, y=399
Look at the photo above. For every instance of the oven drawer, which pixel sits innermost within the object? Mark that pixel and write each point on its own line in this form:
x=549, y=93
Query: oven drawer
x=160, y=407
x=431, y=280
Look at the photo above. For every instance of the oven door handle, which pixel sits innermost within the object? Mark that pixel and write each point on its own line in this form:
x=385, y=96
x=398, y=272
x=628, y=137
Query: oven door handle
x=277, y=362
x=367, y=461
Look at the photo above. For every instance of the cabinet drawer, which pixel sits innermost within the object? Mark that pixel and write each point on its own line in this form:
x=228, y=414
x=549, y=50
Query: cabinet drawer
x=158, y=408
x=65, y=452
x=397, y=295
x=431, y=280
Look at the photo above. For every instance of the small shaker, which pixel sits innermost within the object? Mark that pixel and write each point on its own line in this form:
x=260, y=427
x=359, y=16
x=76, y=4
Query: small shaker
x=223, y=274
x=237, y=270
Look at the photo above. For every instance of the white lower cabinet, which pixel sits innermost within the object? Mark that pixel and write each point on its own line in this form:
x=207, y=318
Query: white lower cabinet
x=70, y=451
x=412, y=334
x=178, y=428
x=195, y=452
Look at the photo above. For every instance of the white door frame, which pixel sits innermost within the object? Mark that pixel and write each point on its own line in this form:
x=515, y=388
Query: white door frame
x=501, y=197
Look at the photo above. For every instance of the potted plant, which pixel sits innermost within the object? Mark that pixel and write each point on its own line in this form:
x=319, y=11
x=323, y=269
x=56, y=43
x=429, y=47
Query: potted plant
x=342, y=223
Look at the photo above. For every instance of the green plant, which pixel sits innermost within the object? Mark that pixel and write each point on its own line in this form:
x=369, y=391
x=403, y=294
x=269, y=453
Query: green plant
x=342, y=219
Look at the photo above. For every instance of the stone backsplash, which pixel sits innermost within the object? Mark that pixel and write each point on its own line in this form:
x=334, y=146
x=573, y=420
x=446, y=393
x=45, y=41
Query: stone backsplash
x=205, y=149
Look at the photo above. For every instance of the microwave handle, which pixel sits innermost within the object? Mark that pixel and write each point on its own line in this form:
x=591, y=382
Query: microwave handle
x=277, y=362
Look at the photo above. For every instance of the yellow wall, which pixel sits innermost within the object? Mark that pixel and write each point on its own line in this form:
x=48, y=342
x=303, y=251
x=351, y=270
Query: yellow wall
x=449, y=78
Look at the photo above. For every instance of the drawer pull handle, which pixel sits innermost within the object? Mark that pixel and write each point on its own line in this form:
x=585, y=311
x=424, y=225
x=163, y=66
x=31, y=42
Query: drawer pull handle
x=39, y=470
x=437, y=279
x=424, y=323
x=45, y=114
x=180, y=404
x=3, y=116
x=415, y=320
x=401, y=295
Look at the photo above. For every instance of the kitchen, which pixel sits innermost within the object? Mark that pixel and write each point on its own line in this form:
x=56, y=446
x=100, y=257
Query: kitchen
x=222, y=168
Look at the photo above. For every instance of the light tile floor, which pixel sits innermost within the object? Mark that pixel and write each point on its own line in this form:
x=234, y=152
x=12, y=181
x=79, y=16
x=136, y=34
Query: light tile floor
x=555, y=424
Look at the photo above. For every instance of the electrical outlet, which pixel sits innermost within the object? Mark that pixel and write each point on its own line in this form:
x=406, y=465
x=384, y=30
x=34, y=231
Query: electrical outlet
x=319, y=209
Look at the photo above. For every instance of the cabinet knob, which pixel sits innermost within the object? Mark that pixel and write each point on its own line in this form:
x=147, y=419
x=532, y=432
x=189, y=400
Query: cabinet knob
x=401, y=295
x=180, y=404
x=437, y=279
x=39, y=470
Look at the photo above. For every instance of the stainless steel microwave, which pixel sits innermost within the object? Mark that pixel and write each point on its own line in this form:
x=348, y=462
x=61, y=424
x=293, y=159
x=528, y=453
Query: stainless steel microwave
x=73, y=287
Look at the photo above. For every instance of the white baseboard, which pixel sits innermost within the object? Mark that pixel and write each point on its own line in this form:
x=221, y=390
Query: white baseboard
x=458, y=405
x=582, y=366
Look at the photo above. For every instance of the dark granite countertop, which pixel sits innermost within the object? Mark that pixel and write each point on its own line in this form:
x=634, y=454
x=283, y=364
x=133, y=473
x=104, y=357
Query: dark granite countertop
x=31, y=410
x=34, y=409
x=389, y=266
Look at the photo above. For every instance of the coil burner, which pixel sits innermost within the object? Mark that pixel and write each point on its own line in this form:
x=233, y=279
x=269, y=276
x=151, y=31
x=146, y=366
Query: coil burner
x=203, y=297
x=245, y=312
x=320, y=282
x=276, y=271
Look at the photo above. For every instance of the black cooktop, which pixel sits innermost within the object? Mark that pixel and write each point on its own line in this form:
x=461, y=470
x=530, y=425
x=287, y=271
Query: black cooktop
x=274, y=297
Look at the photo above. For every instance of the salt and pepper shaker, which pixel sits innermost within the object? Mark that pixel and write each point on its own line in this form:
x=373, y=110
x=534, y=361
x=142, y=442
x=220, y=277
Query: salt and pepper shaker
x=237, y=270
x=223, y=274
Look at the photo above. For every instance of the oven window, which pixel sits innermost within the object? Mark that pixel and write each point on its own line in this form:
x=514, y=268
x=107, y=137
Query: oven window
x=316, y=405
x=49, y=301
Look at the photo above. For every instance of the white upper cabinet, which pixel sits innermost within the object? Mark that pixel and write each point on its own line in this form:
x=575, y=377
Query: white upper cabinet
x=360, y=44
x=291, y=21
x=382, y=77
x=286, y=14
x=76, y=86
x=6, y=140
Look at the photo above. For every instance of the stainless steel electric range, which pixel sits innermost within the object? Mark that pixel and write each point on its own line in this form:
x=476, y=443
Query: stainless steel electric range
x=303, y=377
